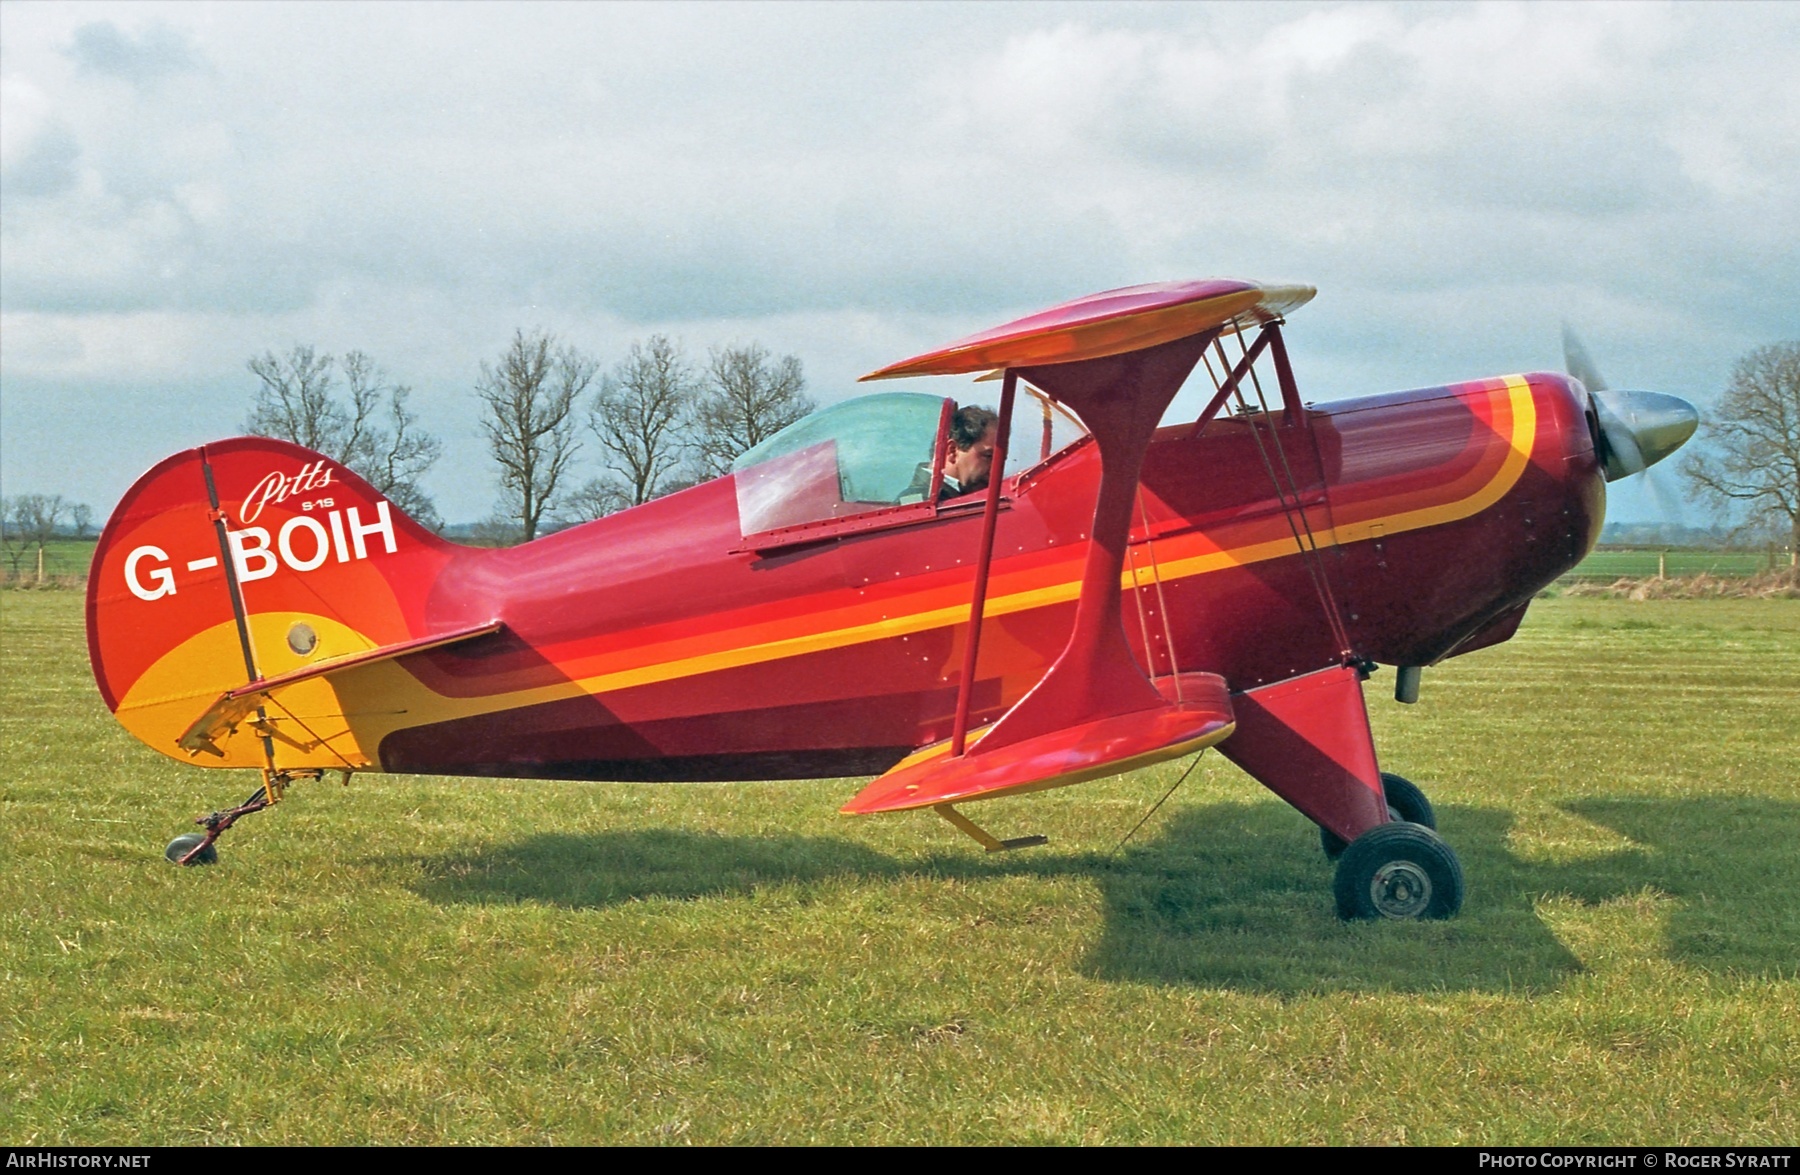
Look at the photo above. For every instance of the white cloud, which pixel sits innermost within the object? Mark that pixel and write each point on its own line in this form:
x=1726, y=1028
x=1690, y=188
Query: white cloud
x=188, y=184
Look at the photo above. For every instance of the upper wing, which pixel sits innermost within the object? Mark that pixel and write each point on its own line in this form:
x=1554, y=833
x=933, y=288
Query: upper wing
x=1114, y=322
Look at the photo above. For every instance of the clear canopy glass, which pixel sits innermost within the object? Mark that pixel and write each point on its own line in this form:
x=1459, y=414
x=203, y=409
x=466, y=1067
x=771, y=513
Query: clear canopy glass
x=861, y=455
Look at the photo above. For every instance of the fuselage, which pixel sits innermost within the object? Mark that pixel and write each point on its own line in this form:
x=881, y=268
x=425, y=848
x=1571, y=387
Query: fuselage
x=656, y=644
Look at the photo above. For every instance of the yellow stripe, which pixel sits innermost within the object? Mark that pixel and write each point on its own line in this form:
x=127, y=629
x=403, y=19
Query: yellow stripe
x=1519, y=442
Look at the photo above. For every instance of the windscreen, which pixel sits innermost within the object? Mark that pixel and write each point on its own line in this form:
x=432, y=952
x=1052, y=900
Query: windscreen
x=861, y=455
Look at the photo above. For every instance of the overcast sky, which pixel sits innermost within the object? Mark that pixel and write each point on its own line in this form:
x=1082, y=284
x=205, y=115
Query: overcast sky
x=186, y=185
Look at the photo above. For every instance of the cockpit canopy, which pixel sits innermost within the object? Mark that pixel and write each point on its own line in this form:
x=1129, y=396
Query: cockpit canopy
x=867, y=454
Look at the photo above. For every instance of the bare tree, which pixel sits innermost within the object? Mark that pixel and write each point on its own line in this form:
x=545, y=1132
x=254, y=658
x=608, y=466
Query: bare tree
x=373, y=433
x=597, y=497
x=81, y=518
x=295, y=401
x=13, y=539
x=530, y=397
x=639, y=416
x=748, y=397
x=1751, y=463
x=30, y=522
x=385, y=443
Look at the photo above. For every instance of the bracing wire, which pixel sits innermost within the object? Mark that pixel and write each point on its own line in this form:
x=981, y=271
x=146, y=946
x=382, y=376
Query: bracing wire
x=317, y=740
x=1161, y=601
x=1312, y=542
x=1137, y=594
x=1124, y=840
x=1306, y=546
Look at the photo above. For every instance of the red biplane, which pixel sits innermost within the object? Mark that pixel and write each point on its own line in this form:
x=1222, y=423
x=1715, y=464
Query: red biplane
x=1141, y=593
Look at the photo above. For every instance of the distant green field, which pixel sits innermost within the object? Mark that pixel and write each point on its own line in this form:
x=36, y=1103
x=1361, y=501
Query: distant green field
x=1610, y=565
x=430, y=960
x=62, y=558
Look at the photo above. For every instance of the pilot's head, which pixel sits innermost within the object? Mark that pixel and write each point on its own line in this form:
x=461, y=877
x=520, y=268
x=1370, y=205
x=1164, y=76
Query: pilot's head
x=971, y=455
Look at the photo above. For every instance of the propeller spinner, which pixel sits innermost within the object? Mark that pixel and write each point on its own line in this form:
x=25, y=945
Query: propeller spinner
x=1637, y=429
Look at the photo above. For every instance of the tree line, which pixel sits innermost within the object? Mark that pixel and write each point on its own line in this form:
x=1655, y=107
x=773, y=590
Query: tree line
x=654, y=422
x=659, y=423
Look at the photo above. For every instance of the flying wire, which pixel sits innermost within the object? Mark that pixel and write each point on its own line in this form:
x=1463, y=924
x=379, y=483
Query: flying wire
x=1123, y=841
x=1308, y=546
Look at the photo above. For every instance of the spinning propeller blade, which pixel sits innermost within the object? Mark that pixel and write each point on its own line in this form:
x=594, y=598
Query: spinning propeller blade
x=1637, y=429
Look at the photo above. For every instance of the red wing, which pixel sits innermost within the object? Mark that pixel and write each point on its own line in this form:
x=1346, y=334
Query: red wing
x=1111, y=323
x=1069, y=754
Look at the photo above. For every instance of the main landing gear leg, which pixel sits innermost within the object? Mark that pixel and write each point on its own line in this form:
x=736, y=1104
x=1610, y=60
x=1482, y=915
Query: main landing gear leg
x=1404, y=802
x=1307, y=739
x=197, y=848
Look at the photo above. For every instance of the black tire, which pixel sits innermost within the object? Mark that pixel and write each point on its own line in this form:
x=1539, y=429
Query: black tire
x=1405, y=802
x=1401, y=871
x=184, y=844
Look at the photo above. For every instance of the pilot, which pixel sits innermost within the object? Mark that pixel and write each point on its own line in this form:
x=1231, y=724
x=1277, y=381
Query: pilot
x=969, y=460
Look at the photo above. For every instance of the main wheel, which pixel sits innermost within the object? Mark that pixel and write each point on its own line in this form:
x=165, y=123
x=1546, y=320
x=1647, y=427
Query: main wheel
x=1398, y=870
x=184, y=844
x=1404, y=802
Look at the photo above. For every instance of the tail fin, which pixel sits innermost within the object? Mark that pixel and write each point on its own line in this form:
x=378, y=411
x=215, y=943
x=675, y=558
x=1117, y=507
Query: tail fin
x=241, y=561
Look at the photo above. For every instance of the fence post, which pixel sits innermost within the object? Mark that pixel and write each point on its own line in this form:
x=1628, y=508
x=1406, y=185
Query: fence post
x=1662, y=563
x=40, y=566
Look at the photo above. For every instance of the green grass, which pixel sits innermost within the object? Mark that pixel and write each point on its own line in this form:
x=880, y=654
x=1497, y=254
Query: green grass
x=1611, y=565
x=444, y=961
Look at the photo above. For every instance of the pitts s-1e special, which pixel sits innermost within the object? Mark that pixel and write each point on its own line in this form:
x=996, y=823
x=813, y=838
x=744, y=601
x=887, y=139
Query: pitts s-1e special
x=1143, y=592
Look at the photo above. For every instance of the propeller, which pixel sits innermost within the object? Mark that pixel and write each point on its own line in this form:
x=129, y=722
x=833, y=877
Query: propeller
x=1637, y=429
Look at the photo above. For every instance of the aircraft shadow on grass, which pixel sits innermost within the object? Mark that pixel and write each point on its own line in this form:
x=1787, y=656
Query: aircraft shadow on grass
x=1238, y=896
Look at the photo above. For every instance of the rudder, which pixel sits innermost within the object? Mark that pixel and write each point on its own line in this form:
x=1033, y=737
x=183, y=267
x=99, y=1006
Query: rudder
x=242, y=560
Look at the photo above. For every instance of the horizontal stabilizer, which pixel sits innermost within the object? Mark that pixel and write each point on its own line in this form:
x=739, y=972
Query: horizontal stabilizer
x=232, y=706
x=1073, y=754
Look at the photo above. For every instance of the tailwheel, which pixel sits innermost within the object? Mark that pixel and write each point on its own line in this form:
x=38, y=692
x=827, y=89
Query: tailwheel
x=197, y=848
x=1398, y=870
x=181, y=850
x=1404, y=802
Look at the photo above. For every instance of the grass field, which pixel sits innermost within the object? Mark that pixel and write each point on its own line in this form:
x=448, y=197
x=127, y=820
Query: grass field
x=430, y=960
